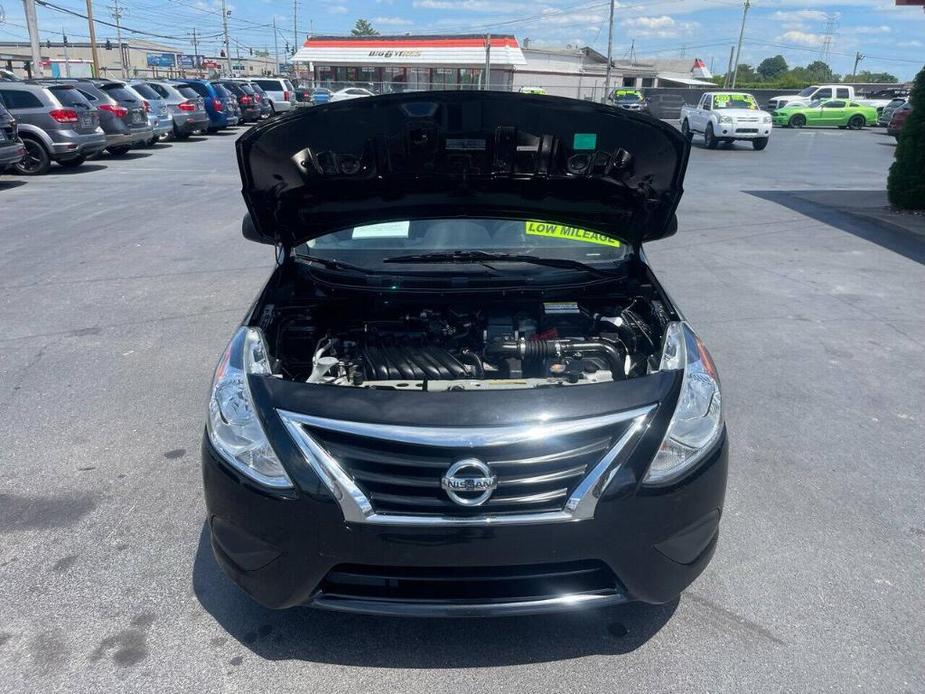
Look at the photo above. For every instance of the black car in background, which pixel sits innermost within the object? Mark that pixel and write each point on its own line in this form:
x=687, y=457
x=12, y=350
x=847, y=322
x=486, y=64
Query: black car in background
x=463, y=391
x=12, y=149
x=247, y=102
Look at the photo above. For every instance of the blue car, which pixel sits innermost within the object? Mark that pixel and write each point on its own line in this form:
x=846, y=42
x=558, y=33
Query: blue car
x=215, y=105
x=320, y=95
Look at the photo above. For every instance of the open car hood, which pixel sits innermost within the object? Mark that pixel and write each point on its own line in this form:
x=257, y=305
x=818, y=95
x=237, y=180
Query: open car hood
x=461, y=154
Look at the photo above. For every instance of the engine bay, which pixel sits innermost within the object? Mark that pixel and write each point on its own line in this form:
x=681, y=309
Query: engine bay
x=418, y=345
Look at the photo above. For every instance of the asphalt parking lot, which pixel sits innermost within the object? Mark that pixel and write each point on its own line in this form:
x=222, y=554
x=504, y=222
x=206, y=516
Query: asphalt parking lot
x=123, y=280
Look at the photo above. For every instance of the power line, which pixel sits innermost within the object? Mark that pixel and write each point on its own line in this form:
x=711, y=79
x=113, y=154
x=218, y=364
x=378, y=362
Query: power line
x=57, y=8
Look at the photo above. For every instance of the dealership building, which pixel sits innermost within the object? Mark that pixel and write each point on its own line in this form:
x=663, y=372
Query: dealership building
x=413, y=63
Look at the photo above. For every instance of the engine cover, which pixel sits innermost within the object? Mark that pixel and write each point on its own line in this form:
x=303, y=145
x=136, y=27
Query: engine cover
x=412, y=362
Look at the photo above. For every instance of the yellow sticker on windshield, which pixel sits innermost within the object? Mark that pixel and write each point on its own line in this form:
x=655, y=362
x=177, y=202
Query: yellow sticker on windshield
x=561, y=231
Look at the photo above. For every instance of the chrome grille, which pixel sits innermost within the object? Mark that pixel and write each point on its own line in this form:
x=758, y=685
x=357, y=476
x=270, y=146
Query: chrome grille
x=540, y=471
x=405, y=478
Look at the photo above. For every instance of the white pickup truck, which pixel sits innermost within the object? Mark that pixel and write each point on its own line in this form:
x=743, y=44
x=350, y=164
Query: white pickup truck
x=727, y=116
x=825, y=92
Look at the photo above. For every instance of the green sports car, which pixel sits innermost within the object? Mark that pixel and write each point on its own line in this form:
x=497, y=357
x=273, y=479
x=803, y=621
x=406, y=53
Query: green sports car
x=834, y=112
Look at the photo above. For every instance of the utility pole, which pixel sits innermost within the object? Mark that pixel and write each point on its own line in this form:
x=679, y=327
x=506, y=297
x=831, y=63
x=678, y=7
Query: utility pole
x=732, y=50
x=32, y=24
x=735, y=68
x=67, y=62
x=857, y=59
x=609, y=55
x=275, y=47
x=195, y=52
x=487, y=83
x=117, y=15
x=225, y=14
x=295, y=26
x=93, y=53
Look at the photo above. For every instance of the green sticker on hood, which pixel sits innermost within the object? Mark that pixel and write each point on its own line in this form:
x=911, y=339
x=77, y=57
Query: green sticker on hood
x=584, y=141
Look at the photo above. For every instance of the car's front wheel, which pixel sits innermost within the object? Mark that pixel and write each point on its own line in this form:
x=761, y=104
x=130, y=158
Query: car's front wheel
x=36, y=162
x=709, y=139
x=760, y=143
x=856, y=122
x=797, y=121
x=686, y=130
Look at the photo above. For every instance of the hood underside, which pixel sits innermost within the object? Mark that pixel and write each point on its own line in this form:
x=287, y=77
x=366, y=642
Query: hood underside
x=461, y=154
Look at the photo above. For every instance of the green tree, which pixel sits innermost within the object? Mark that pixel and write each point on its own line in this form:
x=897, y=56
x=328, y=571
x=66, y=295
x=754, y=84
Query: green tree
x=906, y=182
x=818, y=71
x=363, y=28
x=772, y=68
x=868, y=76
x=746, y=74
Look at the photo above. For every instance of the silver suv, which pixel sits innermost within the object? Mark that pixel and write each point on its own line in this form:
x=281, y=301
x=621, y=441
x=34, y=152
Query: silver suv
x=55, y=123
x=279, y=90
x=186, y=107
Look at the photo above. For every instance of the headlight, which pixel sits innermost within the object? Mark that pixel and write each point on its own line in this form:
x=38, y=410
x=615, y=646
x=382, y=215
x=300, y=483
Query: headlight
x=697, y=422
x=233, y=426
x=725, y=119
x=766, y=119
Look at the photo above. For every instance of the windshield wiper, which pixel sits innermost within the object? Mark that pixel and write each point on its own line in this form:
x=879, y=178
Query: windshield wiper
x=330, y=264
x=485, y=257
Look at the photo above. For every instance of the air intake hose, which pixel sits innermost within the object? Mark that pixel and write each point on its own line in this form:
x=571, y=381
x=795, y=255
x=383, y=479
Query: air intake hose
x=530, y=350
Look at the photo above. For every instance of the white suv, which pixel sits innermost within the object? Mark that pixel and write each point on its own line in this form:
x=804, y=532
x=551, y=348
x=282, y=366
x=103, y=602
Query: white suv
x=279, y=91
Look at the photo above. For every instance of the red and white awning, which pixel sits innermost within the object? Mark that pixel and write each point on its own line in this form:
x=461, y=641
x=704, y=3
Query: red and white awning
x=429, y=51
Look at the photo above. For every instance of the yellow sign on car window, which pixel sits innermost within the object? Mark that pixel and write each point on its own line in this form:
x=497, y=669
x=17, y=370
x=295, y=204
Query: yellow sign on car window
x=561, y=231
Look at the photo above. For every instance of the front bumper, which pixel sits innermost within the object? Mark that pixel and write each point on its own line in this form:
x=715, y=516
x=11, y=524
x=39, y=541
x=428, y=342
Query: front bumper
x=284, y=549
x=744, y=131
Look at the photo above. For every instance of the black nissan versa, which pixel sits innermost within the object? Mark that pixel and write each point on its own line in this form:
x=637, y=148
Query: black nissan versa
x=463, y=391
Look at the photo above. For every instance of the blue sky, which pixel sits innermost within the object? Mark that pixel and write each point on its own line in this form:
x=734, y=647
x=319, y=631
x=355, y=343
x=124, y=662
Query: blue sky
x=892, y=38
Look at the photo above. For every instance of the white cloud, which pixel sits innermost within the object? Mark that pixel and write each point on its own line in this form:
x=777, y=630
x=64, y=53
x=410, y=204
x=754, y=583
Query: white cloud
x=338, y=9
x=552, y=16
x=800, y=15
x=662, y=27
x=882, y=29
x=910, y=44
x=391, y=21
x=474, y=6
x=802, y=38
x=650, y=22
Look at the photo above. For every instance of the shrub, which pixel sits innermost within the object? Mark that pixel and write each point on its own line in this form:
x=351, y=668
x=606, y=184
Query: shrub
x=906, y=183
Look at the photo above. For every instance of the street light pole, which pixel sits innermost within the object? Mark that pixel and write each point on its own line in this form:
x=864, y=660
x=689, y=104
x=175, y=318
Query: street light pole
x=487, y=83
x=275, y=47
x=735, y=68
x=117, y=15
x=67, y=61
x=609, y=55
x=93, y=53
x=225, y=14
x=32, y=24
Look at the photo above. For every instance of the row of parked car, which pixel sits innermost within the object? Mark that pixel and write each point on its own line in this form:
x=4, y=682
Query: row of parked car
x=69, y=121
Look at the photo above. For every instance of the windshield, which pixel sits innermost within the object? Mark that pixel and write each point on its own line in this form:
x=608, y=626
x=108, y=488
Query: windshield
x=368, y=246
x=746, y=101
x=188, y=92
x=807, y=91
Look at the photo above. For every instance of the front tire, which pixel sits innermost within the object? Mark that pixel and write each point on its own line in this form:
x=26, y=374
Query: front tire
x=37, y=160
x=686, y=130
x=759, y=143
x=709, y=139
x=797, y=121
x=856, y=122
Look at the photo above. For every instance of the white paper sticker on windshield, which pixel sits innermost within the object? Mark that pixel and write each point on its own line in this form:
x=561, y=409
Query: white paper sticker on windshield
x=385, y=230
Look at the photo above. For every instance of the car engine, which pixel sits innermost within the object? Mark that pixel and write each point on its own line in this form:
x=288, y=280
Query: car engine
x=535, y=345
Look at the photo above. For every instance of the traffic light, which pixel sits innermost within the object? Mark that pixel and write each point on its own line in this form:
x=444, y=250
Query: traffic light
x=108, y=45
x=222, y=53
